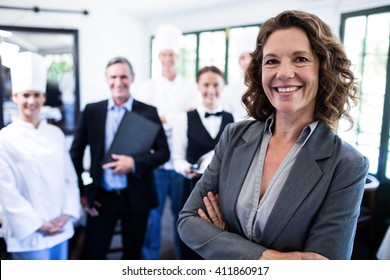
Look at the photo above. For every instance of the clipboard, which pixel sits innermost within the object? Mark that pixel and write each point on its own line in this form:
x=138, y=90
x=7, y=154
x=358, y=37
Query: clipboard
x=135, y=135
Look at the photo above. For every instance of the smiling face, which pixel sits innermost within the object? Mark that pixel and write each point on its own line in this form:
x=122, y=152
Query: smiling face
x=244, y=60
x=290, y=72
x=29, y=103
x=119, y=79
x=210, y=85
x=168, y=59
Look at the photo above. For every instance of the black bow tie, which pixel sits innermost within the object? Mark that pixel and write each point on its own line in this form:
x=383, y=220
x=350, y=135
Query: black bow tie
x=217, y=114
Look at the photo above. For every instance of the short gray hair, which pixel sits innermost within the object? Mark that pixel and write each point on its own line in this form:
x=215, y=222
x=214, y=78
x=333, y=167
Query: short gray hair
x=120, y=59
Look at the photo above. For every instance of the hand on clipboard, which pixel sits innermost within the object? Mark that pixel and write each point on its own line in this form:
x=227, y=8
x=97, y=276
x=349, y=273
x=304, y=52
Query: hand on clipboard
x=135, y=135
x=121, y=164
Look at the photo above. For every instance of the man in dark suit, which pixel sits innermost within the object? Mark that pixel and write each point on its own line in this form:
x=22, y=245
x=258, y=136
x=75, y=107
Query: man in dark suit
x=124, y=188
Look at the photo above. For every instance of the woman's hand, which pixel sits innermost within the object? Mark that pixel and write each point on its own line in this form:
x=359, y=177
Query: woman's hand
x=60, y=221
x=277, y=255
x=213, y=215
x=191, y=174
x=54, y=226
x=48, y=228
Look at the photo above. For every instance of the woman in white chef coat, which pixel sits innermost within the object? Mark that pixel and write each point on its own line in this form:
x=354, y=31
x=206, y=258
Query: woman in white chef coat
x=38, y=184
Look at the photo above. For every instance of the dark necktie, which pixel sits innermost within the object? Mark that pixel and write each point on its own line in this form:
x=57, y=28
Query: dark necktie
x=217, y=114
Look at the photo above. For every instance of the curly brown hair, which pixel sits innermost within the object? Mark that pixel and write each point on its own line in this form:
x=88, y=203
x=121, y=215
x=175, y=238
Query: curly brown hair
x=337, y=90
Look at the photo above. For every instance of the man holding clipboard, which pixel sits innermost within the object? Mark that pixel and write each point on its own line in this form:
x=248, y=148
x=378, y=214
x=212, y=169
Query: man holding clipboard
x=127, y=142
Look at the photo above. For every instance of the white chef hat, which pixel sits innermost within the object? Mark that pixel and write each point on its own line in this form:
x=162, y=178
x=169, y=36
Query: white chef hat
x=28, y=72
x=168, y=37
x=246, y=41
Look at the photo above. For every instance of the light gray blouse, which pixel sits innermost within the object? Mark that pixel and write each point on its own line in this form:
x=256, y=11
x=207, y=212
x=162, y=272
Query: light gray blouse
x=253, y=211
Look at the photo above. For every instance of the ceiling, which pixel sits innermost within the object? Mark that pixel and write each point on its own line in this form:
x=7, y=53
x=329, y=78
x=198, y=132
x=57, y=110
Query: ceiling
x=144, y=9
x=147, y=9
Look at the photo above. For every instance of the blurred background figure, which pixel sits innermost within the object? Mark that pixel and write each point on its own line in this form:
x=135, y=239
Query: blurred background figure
x=197, y=132
x=66, y=85
x=233, y=92
x=38, y=184
x=171, y=94
x=383, y=252
x=122, y=189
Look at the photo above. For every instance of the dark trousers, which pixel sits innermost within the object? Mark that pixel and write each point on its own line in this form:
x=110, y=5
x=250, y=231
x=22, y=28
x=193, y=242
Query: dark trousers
x=100, y=229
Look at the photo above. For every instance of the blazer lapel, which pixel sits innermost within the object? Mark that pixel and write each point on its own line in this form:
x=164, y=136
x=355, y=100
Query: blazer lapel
x=243, y=155
x=100, y=121
x=303, y=178
x=136, y=106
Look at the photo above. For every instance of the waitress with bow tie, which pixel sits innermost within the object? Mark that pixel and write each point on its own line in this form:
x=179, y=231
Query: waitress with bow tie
x=197, y=132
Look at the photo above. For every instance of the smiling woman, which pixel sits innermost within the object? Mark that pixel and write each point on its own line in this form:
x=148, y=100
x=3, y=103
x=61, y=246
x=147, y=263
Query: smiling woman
x=290, y=75
x=38, y=214
x=283, y=186
x=60, y=49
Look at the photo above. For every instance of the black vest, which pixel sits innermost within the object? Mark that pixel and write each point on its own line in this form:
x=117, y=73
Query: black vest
x=199, y=140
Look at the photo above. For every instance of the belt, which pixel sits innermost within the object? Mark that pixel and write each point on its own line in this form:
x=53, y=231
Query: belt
x=118, y=192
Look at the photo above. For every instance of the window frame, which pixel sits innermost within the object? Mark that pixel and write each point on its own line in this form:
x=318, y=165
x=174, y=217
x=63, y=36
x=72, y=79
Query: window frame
x=197, y=34
x=384, y=148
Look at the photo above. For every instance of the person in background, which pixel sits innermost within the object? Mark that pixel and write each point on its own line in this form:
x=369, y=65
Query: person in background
x=284, y=186
x=2, y=90
x=197, y=132
x=171, y=94
x=38, y=184
x=66, y=85
x=233, y=92
x=383, y=252
x=123, y=189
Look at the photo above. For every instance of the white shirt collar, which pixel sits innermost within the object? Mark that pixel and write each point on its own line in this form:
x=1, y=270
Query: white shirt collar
x=202, y=110
x=19, y=122
x=128, y=105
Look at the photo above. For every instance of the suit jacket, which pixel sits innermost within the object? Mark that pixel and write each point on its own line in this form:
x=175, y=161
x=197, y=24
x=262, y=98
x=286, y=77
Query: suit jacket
x=91, y=131
x=317, y=208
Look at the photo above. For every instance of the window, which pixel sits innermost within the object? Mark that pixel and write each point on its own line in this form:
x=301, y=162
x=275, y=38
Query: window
x=210, y=47
x=365, y=36
x=60, y=49
x=238, y=41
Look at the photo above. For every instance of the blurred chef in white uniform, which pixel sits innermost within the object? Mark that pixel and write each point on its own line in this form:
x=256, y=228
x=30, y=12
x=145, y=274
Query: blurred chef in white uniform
x=233, y=92
x=39, y=194
x=171, y=94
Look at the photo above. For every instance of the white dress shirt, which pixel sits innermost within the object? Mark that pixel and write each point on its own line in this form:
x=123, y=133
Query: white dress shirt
x=37, y=183
x=180, y=139
x=171, y=98
x=112, y=181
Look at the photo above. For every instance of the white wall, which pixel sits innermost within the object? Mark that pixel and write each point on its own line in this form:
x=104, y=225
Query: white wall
x=106, y=32
x=253, y=12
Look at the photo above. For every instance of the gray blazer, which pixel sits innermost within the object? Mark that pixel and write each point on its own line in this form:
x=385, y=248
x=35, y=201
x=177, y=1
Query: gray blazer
x=316, y=211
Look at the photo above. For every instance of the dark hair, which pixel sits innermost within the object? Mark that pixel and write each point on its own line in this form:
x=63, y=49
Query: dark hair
x=337, y=87
x=213, y=69
x=120, y=59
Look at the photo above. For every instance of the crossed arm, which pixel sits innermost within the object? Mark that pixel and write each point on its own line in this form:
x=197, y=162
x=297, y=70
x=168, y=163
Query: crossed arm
x=214, y=216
